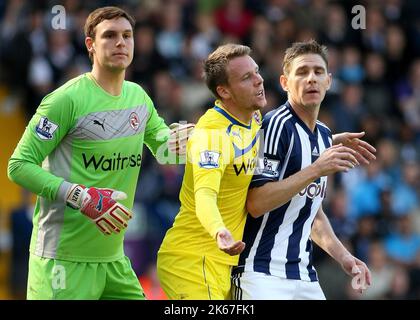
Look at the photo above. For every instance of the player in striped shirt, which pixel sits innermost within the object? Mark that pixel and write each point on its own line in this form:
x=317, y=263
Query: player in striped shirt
x=286, y=192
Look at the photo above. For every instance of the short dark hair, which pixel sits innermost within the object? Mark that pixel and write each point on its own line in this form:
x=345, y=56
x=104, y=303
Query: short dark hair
x=300, y=48
x=101, y=14
x=215, y=64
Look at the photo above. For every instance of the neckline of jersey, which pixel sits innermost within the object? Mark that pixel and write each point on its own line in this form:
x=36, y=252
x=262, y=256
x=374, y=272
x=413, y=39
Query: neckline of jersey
x=96, y=84
x=313, y=135
x=218, y=106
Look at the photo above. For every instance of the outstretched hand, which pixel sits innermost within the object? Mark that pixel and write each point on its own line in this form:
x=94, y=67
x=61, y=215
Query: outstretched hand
x=227, y=244
x=364, y=150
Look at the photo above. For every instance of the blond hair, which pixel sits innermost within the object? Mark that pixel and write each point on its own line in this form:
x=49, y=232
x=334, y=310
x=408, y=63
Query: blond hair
x=215, y=65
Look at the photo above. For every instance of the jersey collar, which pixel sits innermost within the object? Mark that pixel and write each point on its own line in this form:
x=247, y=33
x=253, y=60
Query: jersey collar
x=219, y=108
x=303, y=124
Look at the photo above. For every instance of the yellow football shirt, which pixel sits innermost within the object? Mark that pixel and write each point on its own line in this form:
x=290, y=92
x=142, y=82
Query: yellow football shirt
x=221, y=155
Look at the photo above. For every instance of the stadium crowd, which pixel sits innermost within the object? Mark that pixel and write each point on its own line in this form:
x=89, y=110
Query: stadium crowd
x=375, y=210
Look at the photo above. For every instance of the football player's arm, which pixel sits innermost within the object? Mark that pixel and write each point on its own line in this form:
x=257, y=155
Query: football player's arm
x=274, y=194
x=24, y=167
x=207, y=174
x=156, y=134
x=209, y=216
x=207, y=211
x=207, y=177
x=323, y=235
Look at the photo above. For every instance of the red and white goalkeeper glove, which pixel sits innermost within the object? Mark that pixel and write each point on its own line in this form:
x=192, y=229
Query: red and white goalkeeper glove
x=100, y=206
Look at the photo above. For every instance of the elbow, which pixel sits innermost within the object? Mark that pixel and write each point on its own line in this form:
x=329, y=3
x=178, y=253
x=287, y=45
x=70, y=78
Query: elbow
x=14, y=172
x=252, y=207
x=11, y=170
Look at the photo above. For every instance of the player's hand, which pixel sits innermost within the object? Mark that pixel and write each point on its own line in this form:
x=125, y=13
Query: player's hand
x=364, y=150
x=357, y=269
x=227, y=244
x=179, y=136
x=100, y=206
x=337, y=158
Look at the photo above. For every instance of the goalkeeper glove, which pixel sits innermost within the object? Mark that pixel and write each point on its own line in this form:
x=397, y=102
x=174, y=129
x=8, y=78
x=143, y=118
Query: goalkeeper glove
x=179, y=136
x=100, y=206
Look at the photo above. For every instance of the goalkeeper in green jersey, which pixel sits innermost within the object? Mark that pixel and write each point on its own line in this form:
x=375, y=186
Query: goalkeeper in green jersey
x=81, y=154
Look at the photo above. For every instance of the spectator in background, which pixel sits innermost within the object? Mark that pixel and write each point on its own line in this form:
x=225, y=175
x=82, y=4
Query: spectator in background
x=21, y=225
x=170, y=39
x=337, y=212
x=396, y=55
x=400, y=285
x=351, y=70
x=148, y=60
x=336, y=29
x=414, y=279
x=348, y=112
x=404, y=195
x=365, y=193
x=365, y=234
x=377, y=93
x=403, y=245
x=234, y=19
x=408, y=94
x=373, y=38
x=383, y=272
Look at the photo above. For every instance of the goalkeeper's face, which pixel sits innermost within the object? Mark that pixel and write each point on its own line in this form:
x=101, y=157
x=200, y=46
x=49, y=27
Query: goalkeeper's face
x=113, y=45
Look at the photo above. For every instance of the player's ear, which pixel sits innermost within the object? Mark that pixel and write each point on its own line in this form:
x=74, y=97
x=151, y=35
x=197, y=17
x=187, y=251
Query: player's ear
x=330, y=79
x=89, y=44
x=283, y=82
x=223, y=92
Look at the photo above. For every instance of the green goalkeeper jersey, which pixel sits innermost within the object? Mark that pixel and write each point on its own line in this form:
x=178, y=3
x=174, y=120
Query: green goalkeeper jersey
x=81, y=134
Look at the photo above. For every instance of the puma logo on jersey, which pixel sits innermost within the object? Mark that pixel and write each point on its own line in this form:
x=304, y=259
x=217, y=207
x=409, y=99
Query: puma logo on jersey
x=99, y=123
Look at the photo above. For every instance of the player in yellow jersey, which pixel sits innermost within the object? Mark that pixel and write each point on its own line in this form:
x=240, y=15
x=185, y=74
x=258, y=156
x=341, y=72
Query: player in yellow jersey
x=198, y=252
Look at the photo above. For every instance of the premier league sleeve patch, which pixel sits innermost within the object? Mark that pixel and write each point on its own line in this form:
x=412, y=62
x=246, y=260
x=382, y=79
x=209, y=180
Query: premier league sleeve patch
x=268, y=167
x=209, y=159
x=45, y=128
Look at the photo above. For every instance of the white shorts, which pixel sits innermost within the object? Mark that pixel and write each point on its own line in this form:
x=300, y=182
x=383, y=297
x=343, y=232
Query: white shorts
x=260, y=286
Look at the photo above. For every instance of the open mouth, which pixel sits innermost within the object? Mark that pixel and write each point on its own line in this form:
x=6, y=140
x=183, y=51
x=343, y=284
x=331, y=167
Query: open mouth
x=312, y=91
x=260, y=93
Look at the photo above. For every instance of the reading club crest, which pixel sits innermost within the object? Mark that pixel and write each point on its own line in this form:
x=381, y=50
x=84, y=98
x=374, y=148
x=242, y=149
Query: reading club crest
x=134, y=121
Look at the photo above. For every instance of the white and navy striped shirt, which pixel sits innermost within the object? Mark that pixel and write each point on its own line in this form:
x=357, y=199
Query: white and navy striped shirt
x=278, y=243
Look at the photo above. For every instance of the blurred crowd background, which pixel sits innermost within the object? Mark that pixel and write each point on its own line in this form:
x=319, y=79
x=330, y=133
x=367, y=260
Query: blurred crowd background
x=374, y=210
